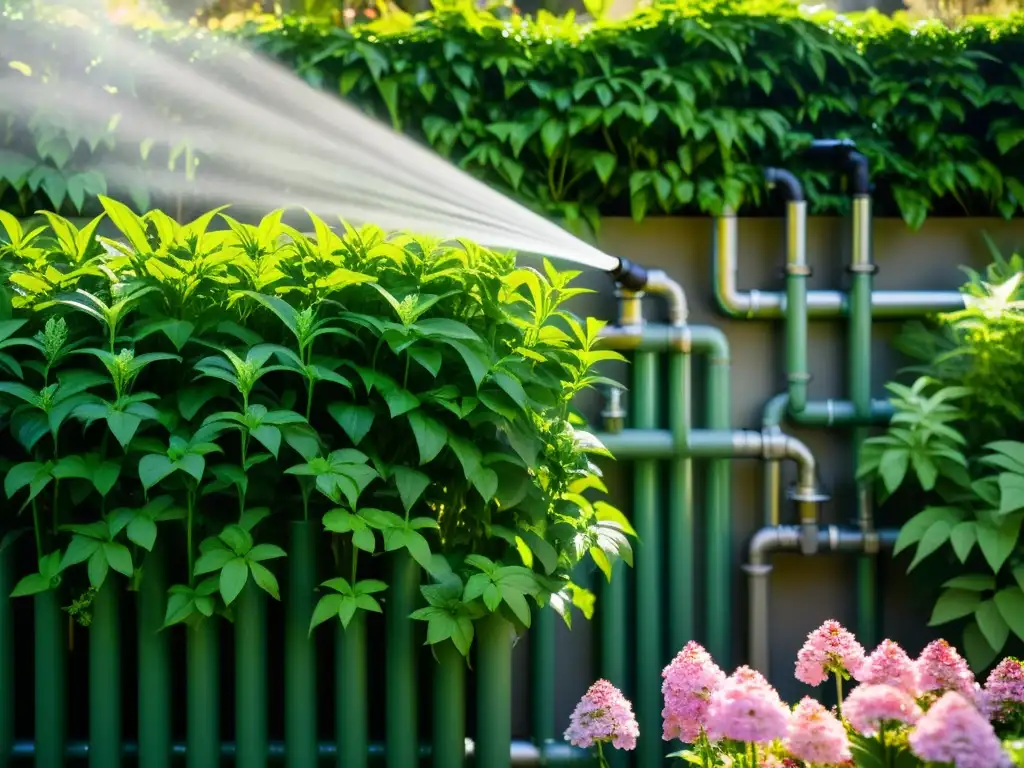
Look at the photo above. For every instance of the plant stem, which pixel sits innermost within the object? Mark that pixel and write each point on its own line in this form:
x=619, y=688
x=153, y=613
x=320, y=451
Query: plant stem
x=309, y=398
x=885, y=749
x=355, y=561
x=839, y=695
x=601, y=760
x=39, y=535
x=188, y=537
x=753, y=755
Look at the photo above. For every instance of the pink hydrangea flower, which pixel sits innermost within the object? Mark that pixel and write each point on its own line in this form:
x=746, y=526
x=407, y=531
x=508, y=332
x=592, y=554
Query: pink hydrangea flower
x=829, y=649
x=603, y=715
x=954, y=731
x=1004, y=689
x=889, y=664
x=746, y=708
x=688, y=683
x=815, y=735
x=868, y=706
x=940, y=668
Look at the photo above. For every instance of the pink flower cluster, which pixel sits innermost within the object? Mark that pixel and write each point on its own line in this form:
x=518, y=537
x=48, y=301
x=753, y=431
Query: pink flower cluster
x=815, y=735
x=889, y=664
x=868, y=707
x=830, y=649
x=940, y=668
x=603, y=715
x=746, y=708
x=954, y=731
x=688, y=682
x=1004, y=689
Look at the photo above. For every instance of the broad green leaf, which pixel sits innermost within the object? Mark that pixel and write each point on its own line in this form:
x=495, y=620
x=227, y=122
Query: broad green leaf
x=411, y=484
x=355, y=420
x=1010, y=602
x=431, y=435
x=264, y=579
x=992, y=625
x=979, y=653
x=936, y=535
x=232, y=578
x=997, y=542
x=1011, y=492
x=954, y=604
x=326, y=608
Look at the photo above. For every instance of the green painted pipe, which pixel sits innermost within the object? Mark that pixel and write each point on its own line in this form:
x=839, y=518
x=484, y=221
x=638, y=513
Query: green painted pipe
x=203, y=705
x=351, y=726
x=862, y=271
x=6, y=654
x=682, y=574
x=449, y=699
x=649, y=578
x=543, y=674
x=611, y=614
x=299, y=651
x=493, y=692
x=154, y=664
x=251, y=677
x=797, y=271
x=105, y=678
x=400, y=663
x=718, y=544
x=50, y=669
x=823, y=413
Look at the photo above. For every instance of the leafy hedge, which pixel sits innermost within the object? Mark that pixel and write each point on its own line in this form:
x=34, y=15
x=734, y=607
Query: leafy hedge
x=195, y=386
x=673, y=110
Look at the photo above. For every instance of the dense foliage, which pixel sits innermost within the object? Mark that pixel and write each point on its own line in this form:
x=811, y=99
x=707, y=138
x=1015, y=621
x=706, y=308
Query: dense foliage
x=956, y=437
x=673, y=110
x=194, y=387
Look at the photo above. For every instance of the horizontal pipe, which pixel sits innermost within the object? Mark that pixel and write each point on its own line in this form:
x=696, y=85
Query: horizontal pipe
x=824, y=413
x=709, y=444
x=790, y=538
x=524, y=754
x=820, y=303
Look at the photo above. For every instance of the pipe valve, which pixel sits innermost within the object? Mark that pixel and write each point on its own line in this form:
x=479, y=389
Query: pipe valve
x=614, y=415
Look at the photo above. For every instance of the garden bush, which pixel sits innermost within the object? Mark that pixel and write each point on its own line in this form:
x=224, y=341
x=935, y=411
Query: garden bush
x=195, y=385
x=956, y=438
x=673, y=110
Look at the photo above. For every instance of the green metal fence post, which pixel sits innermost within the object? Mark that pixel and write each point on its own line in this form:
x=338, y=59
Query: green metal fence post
x=203, y=680
x=543, y=673
x=494, y=692
x=105, y=678
x=400, y=664
x=299, y=650
x=449, y=715
x=251, y=677
x=154, y=665
x=50, y=668
x=646, y=520
x=350, y=693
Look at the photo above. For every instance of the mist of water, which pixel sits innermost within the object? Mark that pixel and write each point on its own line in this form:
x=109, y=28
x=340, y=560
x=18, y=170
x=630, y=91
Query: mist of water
x=266, y=138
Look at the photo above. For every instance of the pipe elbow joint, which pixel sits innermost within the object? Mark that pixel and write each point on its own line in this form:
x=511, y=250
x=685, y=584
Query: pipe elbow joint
x=659, y=283
x=787, y=181
x=763, y=543
x=859, y=174
x=630, y=276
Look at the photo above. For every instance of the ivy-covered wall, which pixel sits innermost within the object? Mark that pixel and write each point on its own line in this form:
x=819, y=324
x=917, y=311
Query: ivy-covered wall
x=671, y=111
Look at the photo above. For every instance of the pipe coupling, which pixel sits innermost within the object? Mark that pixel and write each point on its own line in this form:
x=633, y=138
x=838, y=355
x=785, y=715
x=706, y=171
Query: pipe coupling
x=614, y=414
x=660, y=284
x=799, y=270
x=869, y=269
x=808, y=537
x=872, y=543
x=631, y=311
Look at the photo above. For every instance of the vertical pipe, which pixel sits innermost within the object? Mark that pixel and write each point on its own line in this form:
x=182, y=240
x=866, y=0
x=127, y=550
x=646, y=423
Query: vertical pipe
x=402, y=737
x=542, y=688
x=105, y=678
x=203, y=681
x=350, y=693
x=154, y=665
x=251, y=677
x=682, y=576
x=494, y=693
x=859, y=372
x=612, y=615
x=299, y=650
x=50, y=665
x=797, y=273
x=719, y=521
x=648, y=565
x=6, y=655
x=449, y=715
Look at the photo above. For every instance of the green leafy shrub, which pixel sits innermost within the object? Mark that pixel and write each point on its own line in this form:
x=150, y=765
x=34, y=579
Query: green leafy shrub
x=956, y=438
x=191, y=387
x=673, y=110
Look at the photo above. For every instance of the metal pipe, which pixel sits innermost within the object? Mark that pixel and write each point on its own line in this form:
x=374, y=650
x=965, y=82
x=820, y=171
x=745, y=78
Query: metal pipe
x=6, y=653
x=648, y=573
x=523, y=754
x=449, y=715
x=862, y=272
x=251, y=677
x=788, y=538
x=154, y=688
x=494, y=692
x=300, y=673
x=682, y=581
x=351, y=722
x=797, y=373
x=203, y=684
x=660, y=284
x=50, y=670
x=543, y=671
x=820, y=303
x=400, y=674
x=105, y=678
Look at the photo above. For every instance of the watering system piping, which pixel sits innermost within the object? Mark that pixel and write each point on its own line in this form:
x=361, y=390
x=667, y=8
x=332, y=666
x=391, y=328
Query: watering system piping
x=790, y=538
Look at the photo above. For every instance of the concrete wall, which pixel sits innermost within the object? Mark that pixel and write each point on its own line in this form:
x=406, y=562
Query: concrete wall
x=805, y=591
